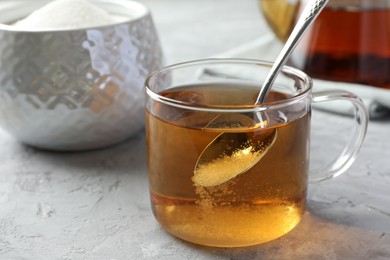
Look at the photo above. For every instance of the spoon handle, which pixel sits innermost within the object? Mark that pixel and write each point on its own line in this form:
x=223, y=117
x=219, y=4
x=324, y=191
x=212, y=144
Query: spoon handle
x=310, y=12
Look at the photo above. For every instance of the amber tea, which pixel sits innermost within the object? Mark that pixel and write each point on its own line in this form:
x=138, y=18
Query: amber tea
x=355, y=50
x=261, y=204
x=223, y=170
x=347, y=42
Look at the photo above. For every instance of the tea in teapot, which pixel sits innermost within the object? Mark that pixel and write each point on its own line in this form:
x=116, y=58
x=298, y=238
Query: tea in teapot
x=349, y=41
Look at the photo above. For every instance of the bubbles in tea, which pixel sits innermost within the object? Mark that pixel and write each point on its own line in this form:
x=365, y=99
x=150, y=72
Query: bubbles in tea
x=259, y=205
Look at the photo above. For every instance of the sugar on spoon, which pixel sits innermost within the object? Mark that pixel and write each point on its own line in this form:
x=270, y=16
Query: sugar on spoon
x=239, y=150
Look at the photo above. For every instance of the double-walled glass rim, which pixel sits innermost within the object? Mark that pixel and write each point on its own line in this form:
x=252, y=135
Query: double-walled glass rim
x=308, y=83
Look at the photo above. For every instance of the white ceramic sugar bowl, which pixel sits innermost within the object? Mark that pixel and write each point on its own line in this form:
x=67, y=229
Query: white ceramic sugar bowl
x=76, y=89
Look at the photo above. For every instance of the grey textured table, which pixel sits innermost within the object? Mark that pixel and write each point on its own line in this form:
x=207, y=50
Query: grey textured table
x=95, y=205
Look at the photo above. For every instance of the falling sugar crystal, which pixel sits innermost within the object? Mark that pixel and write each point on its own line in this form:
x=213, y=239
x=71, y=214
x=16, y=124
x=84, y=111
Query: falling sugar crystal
x=69, y=14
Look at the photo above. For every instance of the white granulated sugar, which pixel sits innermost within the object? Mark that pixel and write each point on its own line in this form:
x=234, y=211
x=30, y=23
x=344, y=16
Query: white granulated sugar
x=69, y=14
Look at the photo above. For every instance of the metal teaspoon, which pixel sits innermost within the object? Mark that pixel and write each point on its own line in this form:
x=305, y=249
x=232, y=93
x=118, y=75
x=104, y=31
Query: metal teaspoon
x=241, y=147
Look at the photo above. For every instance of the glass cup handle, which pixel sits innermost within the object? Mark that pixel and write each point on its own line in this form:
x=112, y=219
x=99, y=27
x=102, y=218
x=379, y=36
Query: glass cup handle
x=348, y=155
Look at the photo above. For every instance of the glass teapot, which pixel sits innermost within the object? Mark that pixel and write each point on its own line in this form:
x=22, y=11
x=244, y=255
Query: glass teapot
x=349, y=41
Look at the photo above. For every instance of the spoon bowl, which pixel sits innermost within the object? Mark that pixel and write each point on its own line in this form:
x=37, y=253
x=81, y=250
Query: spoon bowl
x=231, y=154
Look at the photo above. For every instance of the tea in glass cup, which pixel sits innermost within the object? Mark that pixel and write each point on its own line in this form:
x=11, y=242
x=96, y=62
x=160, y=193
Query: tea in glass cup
x=226, y=172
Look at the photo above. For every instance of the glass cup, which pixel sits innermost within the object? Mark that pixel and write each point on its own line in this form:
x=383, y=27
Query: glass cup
x=226, y=172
